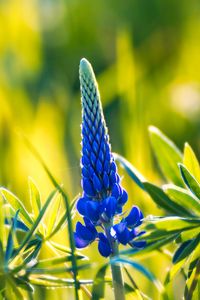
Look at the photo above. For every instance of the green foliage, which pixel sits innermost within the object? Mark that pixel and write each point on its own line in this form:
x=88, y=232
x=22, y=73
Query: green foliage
x=181, y=200
x=26, y=234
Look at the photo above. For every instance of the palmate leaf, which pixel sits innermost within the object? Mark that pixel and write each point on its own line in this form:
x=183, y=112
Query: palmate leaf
x=183, y=197
x=17, y=205
x=68, y=212
x=190, y=181
x=162, y=200
x=167, y=154
x=156, y=193
x=191, y=162
x=171, y=223
x=36, y=223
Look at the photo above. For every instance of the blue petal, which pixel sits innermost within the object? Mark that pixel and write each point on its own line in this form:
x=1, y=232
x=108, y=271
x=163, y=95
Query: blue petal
x=110, y=205
x=88, y=187
x=133, y=234
x=85, y=160
x=79, y=242
x=90, y=225
x=113, y=166
x=113, y=177
x=134, y=217
x=97, y=183
x=116, y=191
x=123, y=199
x=95, y=146
x=89, y=148
x=85, y=172
x=119, y=209
x=93, y=210
x=122, y=233
x=138, y=244
x=106, y=166
x=81, y=206
x=105, y=180
x=91, y=138
x=101, y=155
x=91, y=171
x=93, y=158
x=99, y=166
x=104, y=246
x=85, y=233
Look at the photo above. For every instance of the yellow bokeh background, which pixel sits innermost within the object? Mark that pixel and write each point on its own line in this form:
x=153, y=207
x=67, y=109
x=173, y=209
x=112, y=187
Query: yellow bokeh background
x=146, y=58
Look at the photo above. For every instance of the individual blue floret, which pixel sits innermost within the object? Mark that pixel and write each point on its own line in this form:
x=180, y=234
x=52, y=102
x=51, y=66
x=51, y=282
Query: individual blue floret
x=104, y=245
x=85, y=235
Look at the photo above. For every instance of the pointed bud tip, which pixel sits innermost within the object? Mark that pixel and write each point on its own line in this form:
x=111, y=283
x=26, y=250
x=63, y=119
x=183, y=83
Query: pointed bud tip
x=85, y=67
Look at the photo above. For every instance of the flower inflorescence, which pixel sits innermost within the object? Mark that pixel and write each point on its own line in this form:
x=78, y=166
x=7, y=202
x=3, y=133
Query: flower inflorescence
x=103, y=196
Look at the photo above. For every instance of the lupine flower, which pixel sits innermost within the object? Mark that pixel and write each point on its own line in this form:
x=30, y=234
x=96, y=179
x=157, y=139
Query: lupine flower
x=103, y=196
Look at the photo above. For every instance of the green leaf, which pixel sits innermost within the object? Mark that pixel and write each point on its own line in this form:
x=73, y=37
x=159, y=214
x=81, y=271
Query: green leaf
x=54, y=213
x=34, y=197
x=99, y=283
x=17, y=205
x=36, y=223
x=193, y=260
x=183, y=197
x=23, y=283
x=174, y=269
x=191, y=162
x=190, y=181
x=10, y=241
x=192, y=282
x=54, y=282
x=162, y=200
x=150, y=248
x=33, y=252
x=189, y=234
x=1, y=231
x=131, y=170
x=171, y=223
x=68, y=211
x=53, y=271
x=56, y=261
x=18, y=295
x=167, y=154
x=185, y=249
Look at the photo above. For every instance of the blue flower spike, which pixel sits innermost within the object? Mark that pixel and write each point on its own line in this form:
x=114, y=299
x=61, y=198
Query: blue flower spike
x=103, y=197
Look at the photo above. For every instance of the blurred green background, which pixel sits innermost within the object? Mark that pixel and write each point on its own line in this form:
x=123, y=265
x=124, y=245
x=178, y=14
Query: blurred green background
x=146, y=57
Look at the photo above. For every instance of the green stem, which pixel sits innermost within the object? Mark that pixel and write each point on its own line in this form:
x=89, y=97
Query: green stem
x=117, y=279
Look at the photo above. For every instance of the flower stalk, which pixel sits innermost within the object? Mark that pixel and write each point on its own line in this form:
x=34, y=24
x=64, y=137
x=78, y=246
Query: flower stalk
x=117, y=278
